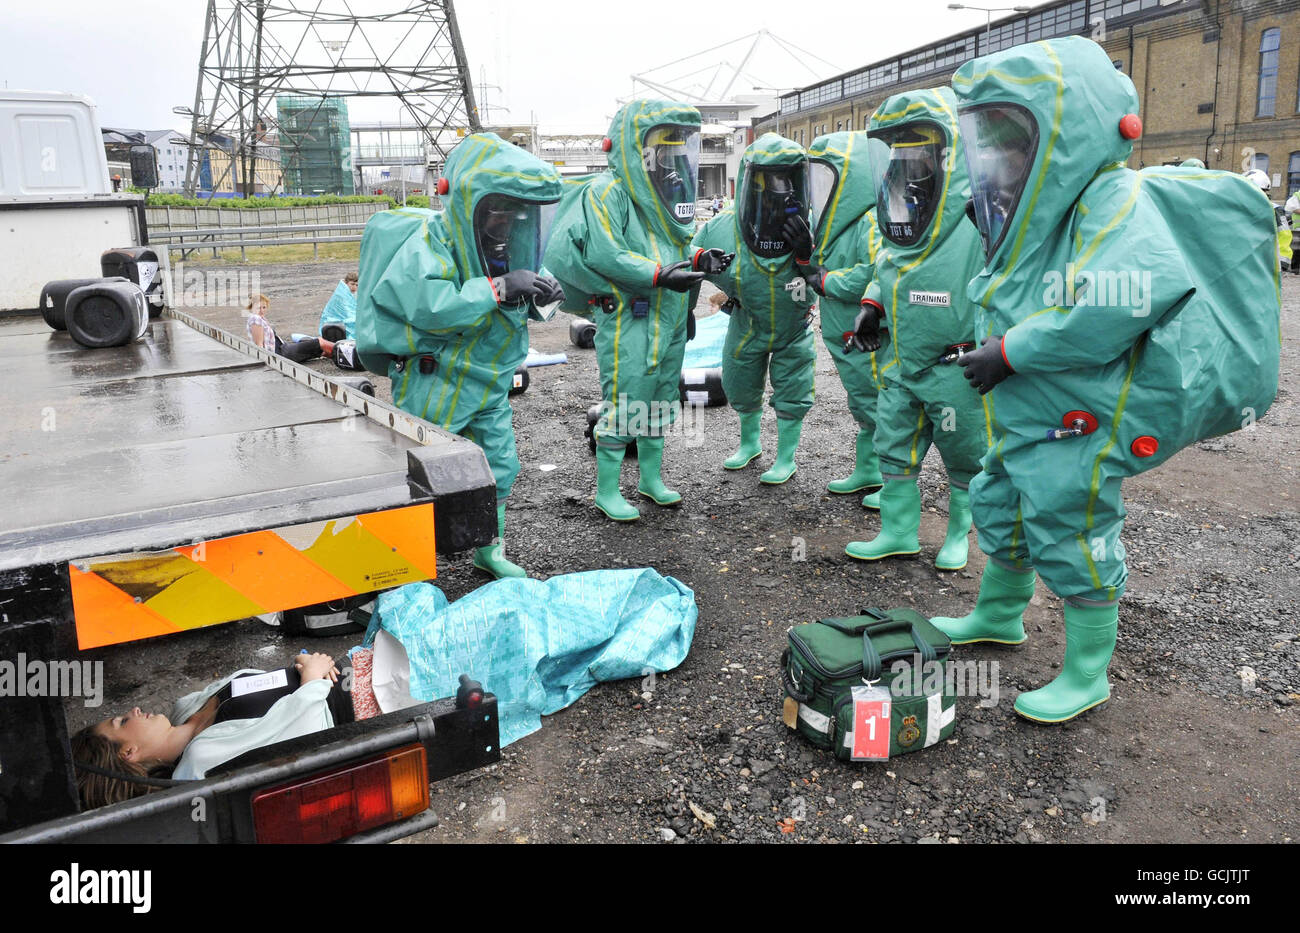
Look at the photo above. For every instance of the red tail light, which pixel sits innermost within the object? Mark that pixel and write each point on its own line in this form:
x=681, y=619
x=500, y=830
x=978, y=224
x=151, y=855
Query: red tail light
x=337, y=804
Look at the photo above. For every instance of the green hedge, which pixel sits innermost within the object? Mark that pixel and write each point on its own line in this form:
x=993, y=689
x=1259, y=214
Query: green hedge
x=178, y=200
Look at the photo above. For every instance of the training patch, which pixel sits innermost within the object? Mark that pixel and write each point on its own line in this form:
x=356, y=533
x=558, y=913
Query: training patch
x=933, y=299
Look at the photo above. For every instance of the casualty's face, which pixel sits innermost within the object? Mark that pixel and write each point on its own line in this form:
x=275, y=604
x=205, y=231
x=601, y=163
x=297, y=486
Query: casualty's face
x=144, y=732
x=671, y=156
x=772, y=195
x=1000, y=141
x=908, y=162
x=511, y=233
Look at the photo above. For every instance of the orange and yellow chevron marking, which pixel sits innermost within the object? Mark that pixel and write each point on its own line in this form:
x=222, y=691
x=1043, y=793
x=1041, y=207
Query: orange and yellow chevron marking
x=125, y=597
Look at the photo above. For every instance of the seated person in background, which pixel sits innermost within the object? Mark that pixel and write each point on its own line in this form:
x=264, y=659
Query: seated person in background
x=339, y=319
x=247, y=710
x=261, y=333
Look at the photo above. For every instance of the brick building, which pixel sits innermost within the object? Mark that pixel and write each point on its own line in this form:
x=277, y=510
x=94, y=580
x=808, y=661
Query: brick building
x=1219, y=80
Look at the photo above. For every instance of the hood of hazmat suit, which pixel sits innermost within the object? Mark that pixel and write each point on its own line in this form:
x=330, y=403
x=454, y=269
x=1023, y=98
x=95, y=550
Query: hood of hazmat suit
x=930, y=249
x=617, y=228
x=773, y=186
x=846, y=241
x=842, y=196
x=1123, y=311
x=425, y=278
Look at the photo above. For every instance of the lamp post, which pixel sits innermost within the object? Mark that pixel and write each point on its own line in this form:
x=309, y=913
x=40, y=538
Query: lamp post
x=988, y=11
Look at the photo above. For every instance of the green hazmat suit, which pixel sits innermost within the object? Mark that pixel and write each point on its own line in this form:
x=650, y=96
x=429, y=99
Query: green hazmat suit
x=1106, y=290
x=846, y=240
x=769, y=332
x=428, y=316
x=619, y=229
x=1120, y=326
x=628, y=234
x=920, y=281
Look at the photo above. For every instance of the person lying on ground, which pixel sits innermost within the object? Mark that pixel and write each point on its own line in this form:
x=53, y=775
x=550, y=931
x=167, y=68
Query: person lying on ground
x=247, y=710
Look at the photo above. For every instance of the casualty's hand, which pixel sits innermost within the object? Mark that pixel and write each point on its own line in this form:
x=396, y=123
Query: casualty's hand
x=987, y=366
x=712, y=261
x=316, y=667
x=799, y=237
x=678, y=277
x=548, y=291
x=865, y=336
x=515, y=286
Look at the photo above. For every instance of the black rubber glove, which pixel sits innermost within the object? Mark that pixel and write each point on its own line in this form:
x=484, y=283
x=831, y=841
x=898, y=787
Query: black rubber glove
x=987, y=366
x=814, y=275
x=515, y=286
x=548, y=291
x=712, y=261
x=678, y=277
x=865, y=336
x=799, y=237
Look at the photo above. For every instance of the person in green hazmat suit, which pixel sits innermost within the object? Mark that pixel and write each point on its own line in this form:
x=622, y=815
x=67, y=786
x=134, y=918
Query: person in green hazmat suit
x=769, y=334
x=1114, y=331
x=918, y=294
x=837, y=259
x=638, y=219
x=445, y=297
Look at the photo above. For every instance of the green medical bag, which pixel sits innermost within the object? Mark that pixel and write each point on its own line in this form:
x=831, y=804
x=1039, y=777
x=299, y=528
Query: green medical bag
x=886, y=670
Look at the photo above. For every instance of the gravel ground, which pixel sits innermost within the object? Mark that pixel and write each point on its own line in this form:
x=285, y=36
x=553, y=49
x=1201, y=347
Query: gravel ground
x=1199, y=741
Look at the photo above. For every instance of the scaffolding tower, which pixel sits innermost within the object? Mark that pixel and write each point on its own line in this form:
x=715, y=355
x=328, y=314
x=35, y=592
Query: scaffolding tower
x=275, y=75
x=315, y=144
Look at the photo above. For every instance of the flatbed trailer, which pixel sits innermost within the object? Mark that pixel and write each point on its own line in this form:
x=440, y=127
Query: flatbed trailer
x=190, y=479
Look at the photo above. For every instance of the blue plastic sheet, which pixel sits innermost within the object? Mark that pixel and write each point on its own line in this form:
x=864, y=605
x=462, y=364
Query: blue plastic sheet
x=341, y=309
x=705, y=351
x=539, y=645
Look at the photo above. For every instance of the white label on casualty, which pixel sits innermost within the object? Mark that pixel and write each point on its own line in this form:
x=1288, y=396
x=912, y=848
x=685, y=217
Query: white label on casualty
x=258, y=682
x=934, y=299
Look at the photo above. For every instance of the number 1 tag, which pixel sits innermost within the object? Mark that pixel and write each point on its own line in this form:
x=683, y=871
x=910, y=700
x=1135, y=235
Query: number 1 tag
x=871, y=711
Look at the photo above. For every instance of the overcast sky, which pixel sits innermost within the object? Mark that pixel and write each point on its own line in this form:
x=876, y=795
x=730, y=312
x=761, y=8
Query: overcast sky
x=563, y=63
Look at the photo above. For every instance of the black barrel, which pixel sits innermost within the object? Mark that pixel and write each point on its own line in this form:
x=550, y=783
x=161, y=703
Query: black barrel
x=582, y=333
x=702, y=387
x=345, y=355
x=54, y=298
x=106, y=314
x=138, y=264
x=519, y=383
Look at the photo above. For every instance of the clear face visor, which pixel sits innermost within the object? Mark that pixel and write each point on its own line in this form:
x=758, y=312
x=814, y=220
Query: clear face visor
x=908, y=162
x=1000, y=144
x=511, y=233
x=771, y=197
x=671, y=156
x=822, y=179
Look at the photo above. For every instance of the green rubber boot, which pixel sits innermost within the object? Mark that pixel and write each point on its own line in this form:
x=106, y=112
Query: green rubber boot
x=999, y=611
x=866, y=468
x=900, y=522
x=650, y=459
x=492, y=559
x=872, y=500
x=1089, y=642
x=788, y=431
x=956, y=547
x=750, y=445
x=609, y=466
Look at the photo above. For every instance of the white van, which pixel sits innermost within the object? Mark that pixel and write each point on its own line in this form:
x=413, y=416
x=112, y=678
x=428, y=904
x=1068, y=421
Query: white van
x=57, y=209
